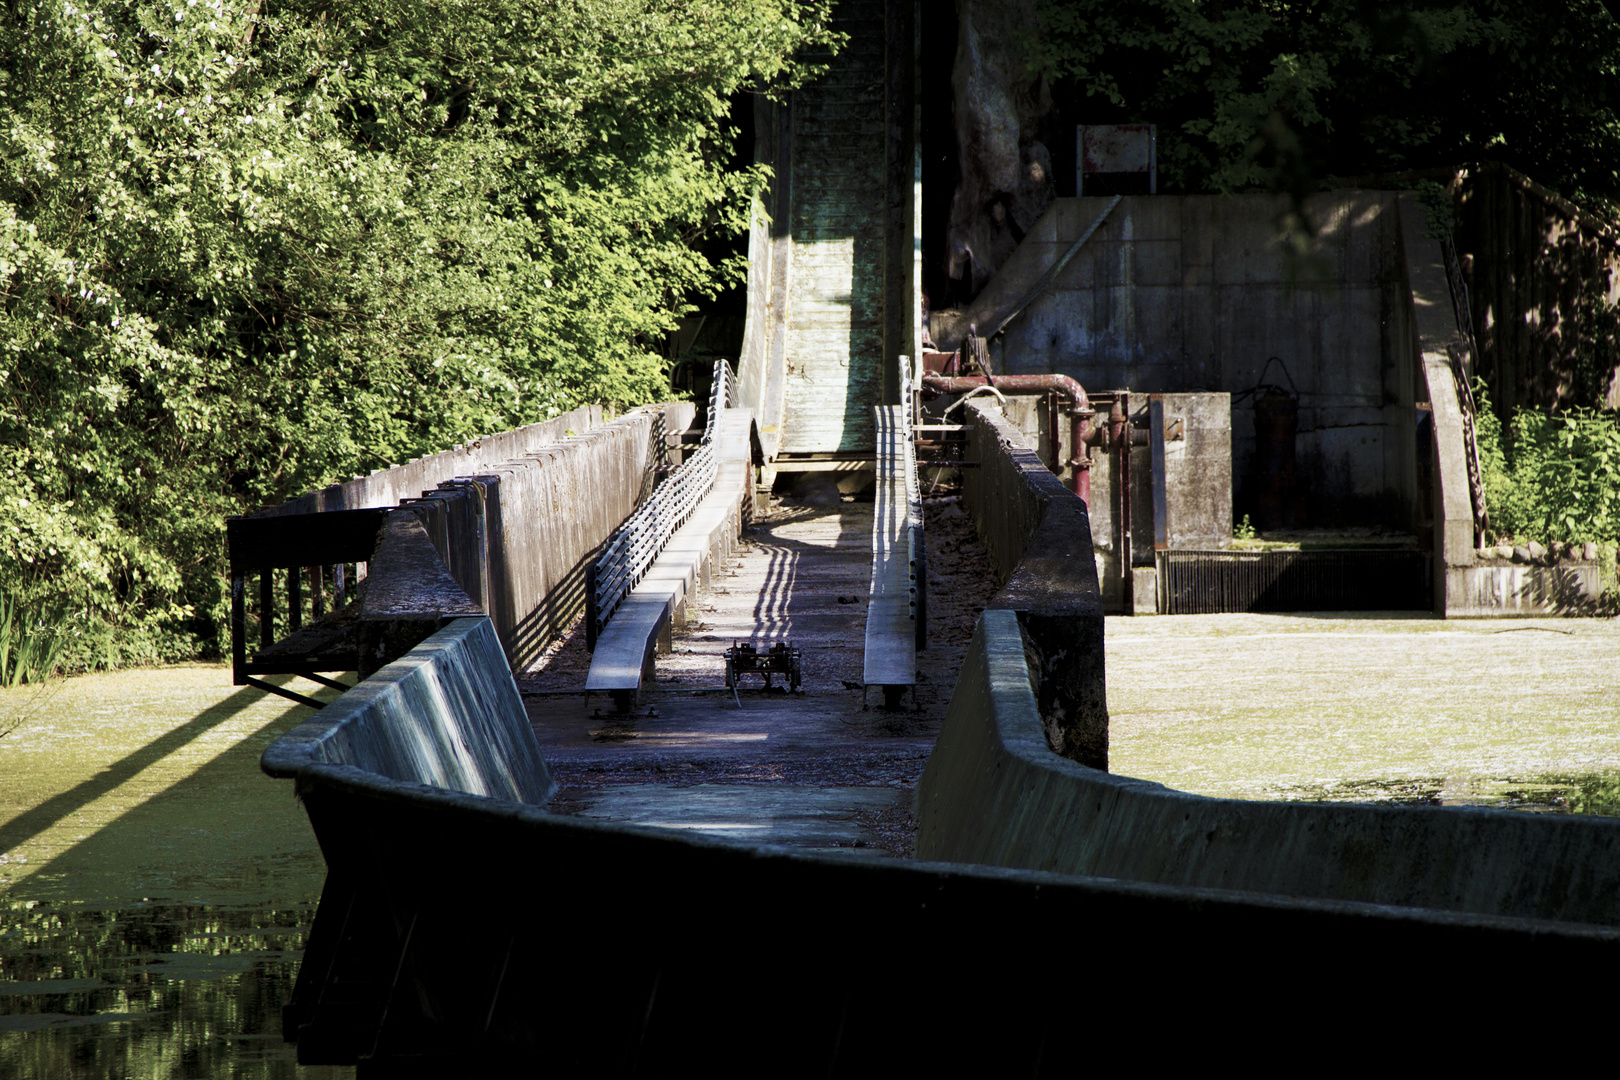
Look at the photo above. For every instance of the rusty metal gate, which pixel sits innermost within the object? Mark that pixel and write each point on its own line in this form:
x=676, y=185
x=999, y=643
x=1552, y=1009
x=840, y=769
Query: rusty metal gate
x=1353, y=579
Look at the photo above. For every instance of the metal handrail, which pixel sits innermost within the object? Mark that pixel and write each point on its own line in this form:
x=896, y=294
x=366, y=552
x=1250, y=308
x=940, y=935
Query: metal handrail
x=635, y=545
x=916, y=546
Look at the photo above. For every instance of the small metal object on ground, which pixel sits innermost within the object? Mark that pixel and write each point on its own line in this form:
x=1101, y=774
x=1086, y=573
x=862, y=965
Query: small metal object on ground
x=780, y=659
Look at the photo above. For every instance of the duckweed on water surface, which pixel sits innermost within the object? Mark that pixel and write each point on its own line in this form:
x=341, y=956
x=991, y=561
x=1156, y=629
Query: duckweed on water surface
x=155, y=887
x=1519, y=713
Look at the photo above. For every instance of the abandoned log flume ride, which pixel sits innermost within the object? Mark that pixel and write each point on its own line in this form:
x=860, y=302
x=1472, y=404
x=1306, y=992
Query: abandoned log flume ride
x=465, y=921
x=615, y=947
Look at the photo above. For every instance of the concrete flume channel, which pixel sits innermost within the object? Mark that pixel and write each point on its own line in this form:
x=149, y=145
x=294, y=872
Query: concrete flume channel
x=437, y=750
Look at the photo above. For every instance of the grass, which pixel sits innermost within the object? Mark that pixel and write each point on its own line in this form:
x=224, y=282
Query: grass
x=30, y=648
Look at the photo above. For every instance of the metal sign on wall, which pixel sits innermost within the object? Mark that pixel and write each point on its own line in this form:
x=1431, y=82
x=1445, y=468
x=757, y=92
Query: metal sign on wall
x=1116, y=148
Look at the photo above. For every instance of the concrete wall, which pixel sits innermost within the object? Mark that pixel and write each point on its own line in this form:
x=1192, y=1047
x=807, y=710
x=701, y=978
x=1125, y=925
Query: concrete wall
x=992, y=793
x=518, y=535
x=447, y=715
x=1182, y=293
x=1039, y=539
x=761, y=369
x=1198, y=469
x=517, y=527
x=388, y=487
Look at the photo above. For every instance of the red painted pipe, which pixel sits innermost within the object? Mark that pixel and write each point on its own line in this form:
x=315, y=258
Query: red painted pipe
x=1079, y=410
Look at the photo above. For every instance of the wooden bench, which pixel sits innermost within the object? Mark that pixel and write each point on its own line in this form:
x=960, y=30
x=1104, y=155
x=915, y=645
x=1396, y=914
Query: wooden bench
x=896, y=624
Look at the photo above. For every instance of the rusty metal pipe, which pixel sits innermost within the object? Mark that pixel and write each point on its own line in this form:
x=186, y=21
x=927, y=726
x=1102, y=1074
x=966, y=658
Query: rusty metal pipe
x=1079, y=410
x=1119, y=436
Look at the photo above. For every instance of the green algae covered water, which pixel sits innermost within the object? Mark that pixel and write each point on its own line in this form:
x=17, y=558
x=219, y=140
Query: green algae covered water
x=1516, y=713
x=155, y=887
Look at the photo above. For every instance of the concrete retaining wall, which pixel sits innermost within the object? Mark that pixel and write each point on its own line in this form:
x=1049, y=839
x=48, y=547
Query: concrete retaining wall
x=447, y=715
x=1182, y=293
x=448, y=889
x=1038, y=535
x=993, y=794
x=515, y=527
x=1491, y=589
x=391, y=486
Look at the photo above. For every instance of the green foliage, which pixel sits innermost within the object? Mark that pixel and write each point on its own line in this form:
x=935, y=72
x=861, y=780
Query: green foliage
x=1244, y=530
x=30, y=644
x=1551, y=477
x=247, y=249
x=1276, y=94
x=1596, y=795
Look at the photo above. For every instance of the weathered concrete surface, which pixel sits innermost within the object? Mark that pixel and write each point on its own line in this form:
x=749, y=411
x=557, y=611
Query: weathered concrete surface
x=836, y=281
x=1502, y=590
x=388, y=487
x=1198, y=470
x=516, y=534
x=1435, y=335
x=892, y=596
x=545, y=518
x=1185, y=293
x=1039, y=538
x=446, y=715
x=1365, y=707
x=672, y=940
x=799, y=575
x=803, y=816
x=409, y=593
x=1198, y=475
x=762, y=367
x=994, y=794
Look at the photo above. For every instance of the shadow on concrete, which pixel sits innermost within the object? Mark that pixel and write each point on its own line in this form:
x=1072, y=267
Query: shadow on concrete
x=772, y=613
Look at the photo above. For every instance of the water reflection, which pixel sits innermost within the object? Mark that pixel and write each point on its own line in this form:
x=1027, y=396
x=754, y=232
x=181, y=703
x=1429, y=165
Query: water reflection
x=160, y=990
x=1559, y=793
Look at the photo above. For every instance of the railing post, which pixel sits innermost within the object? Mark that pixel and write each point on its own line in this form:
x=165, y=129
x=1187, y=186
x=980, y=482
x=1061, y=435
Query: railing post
x=590, y=607
x=238, y=630
x=267, y=607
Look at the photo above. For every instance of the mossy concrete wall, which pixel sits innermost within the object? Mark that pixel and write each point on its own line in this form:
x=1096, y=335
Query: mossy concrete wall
x=1038, y=535
x=993, y=793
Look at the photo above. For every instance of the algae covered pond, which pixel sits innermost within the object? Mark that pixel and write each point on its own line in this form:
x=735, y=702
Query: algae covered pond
x=1519, y=713
x=155, y=887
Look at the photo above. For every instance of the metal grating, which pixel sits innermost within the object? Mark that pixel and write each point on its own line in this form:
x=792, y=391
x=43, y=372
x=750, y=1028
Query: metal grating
x=1353, y=579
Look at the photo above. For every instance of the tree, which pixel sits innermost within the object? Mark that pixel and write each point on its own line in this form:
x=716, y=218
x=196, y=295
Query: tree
x=249, y=248
x=1280, y=95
